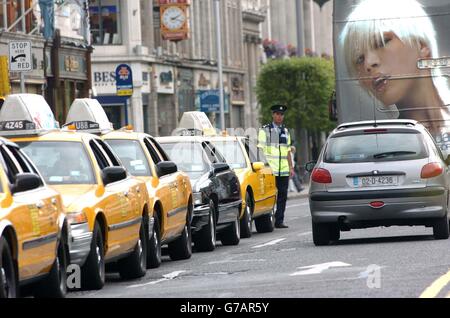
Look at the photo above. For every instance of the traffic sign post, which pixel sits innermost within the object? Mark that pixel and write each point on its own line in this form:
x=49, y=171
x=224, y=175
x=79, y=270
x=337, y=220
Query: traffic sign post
x=20, y=59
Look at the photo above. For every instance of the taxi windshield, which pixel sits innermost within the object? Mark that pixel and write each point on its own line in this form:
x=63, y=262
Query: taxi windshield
x=188, y=156
x=132, y=156
x=60, y=162
x=232, y=152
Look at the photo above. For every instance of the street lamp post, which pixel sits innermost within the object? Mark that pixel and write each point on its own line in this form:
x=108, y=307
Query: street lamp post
x=219, y=63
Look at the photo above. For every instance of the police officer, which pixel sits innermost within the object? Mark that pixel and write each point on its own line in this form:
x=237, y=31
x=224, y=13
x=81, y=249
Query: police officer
x=275, y=141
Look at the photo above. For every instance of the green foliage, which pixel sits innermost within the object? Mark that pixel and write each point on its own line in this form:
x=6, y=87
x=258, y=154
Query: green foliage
x=304, y=84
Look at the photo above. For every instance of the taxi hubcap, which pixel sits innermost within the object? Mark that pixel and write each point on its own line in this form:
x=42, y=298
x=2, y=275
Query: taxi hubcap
x=213, y=232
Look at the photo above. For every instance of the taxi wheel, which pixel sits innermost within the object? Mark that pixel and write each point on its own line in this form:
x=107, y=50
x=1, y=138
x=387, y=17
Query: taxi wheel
x=93, y=270
x=321, y=233
x=246, y=221
x=135, y=265
x=232, y=234
x=154, y=247
x=182, y=247
x=265, y=223
x=205, y=239
x=441, y=229
x=8, y=281
x=55, y=284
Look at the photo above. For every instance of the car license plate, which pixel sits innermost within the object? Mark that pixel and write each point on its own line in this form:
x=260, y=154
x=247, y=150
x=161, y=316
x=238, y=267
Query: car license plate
x=375, y=181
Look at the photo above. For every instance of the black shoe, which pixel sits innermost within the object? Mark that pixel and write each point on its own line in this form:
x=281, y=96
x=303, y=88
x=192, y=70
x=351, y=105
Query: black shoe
x=281, y=226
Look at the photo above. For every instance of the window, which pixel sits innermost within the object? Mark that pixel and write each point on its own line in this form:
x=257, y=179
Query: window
x=108, y=151
x=132, y=156
x=233, y=153
x=375, y=147
x=60, y=162
x=12, y=10
x=156, y=157
x=105, y=22
x=188, y=156
x=100, y=156
x=161, y=151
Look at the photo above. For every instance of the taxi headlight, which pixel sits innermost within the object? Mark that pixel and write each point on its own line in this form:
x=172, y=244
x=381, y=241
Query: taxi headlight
x=76, y=218
x=198, y=198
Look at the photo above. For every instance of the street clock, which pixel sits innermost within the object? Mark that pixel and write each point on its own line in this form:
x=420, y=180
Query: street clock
x=174, y=18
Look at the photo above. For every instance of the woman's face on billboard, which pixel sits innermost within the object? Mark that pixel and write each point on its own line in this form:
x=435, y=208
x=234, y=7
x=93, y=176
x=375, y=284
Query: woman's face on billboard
x=379, y=67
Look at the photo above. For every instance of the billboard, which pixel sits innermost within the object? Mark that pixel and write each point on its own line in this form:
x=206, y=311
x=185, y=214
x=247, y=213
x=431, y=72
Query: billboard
x=393, y=61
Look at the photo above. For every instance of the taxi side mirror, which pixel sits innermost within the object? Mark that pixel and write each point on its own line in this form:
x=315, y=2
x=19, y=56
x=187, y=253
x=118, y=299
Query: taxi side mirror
x=220, y=167
x=164, y=168
x=26, y=182
x=113, y=174
x=310, y=166
x=257, y=166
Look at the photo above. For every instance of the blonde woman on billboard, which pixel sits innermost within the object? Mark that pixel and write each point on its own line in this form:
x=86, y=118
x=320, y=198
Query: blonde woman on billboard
x=383, y=40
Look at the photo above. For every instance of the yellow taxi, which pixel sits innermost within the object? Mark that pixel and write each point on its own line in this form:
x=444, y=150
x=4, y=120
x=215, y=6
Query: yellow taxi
x=107, y=208
x=33, y=228
x=170, y=192
x=258, y=186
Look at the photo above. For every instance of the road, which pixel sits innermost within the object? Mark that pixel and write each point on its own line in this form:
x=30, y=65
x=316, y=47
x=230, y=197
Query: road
x=380, y=262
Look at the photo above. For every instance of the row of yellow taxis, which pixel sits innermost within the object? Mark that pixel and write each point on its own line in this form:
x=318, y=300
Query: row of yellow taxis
x=89, y=195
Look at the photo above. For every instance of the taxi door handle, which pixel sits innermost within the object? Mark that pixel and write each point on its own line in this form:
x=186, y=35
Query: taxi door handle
x=138, y=190
x=40, y=205
x=54, y=201
x=125, y=193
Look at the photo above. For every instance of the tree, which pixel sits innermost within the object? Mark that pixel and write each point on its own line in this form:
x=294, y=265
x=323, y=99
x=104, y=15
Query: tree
x=304, y=84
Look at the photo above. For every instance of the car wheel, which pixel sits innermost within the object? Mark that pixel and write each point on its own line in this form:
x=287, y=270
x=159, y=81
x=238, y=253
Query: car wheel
x=93, y=270
x=205, y=239
x=232, y=234
x=246, y=221
x=265, y=223
x=441, y=229
x=182, y=247
x=321, y=234
x=154, y=246
x=135, y=265
x=54, y=285
x=8, y=280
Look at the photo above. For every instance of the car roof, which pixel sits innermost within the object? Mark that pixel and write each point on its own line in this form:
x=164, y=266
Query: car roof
x=379, y=124
x=173, y=139
x=60, y=135
x=125, y=134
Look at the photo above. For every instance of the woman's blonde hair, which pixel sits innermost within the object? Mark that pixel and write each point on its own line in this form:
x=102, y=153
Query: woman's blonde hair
x=406, y=18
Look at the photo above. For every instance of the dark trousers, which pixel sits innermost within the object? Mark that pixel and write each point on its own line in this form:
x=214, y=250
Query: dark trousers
x=282, y=186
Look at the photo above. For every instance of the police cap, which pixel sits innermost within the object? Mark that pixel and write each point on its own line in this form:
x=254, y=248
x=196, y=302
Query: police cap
x=278, y=108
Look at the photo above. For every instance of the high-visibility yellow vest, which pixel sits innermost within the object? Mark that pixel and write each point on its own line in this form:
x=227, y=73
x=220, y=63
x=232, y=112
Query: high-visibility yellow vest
x=276, y=144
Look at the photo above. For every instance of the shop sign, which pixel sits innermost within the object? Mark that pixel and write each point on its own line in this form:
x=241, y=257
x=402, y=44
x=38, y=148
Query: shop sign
x=208, y=101
x=124, y=80
x=165, y=79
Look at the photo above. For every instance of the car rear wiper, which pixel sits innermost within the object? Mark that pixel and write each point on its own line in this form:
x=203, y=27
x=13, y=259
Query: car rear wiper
x=393, y=153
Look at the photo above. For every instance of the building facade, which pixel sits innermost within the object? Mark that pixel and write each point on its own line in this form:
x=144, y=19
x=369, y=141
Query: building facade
x=60, y=49
x=171, y=78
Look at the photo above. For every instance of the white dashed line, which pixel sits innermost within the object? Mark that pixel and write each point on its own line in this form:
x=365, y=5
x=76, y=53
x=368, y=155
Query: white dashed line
x=318, y=268
x=166, y=277
x=304, y=234
x=269, y=243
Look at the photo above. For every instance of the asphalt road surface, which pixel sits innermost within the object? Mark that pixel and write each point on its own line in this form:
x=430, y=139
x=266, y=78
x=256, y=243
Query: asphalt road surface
x=378, y=262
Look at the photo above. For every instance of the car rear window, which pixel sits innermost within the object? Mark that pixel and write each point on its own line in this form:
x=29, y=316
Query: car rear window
x=375, y=147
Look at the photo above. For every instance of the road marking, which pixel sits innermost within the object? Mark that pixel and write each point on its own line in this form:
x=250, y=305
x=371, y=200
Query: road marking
x=305, y=234
x=236, y=261
x=318, y=268
x=269, y=243
x=434, y=289
x=165, y=277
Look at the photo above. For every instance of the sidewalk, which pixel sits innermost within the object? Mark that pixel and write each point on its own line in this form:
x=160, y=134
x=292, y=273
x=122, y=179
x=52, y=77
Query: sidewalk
x=299, y=195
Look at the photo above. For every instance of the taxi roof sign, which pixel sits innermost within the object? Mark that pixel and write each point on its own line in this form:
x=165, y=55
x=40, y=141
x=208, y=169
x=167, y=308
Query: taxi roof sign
x=88, y=115
x=197, y=123
x=26, y=114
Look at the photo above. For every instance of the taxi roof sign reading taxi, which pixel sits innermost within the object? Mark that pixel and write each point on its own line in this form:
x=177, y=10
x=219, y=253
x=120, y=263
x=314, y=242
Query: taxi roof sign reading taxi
x=195, y=123
x=88, y=115
x=26, y=114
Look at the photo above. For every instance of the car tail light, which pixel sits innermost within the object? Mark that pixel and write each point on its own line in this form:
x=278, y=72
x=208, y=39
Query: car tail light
x=320, y=175
x=377, y=204
x=374, y=131
x=431, y=170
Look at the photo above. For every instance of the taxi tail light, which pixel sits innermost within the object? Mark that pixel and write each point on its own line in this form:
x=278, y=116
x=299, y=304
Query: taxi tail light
x=431, y=170
x=320, y=175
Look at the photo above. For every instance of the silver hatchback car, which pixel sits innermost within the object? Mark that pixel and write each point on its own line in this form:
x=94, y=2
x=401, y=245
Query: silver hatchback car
x=381, y=173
